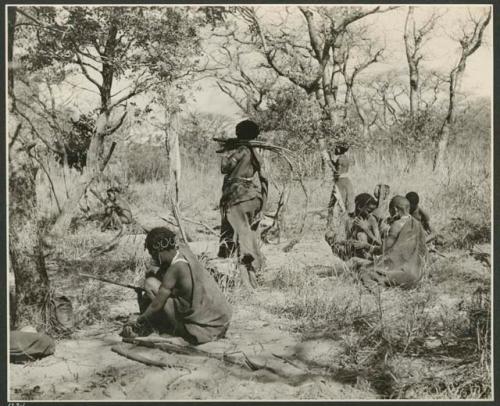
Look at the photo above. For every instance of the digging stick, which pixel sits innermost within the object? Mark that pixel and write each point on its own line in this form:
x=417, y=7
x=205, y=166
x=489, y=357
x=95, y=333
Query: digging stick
x=136, y=288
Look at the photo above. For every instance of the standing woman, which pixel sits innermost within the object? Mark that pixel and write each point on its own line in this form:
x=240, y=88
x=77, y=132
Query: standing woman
x=243, y=201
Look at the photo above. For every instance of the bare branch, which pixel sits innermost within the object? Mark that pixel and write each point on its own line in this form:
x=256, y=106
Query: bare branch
x=359, y=14
x=15, y=135
x=117, y=125
x=86, y=73
x=35, y=131
x=471, y=43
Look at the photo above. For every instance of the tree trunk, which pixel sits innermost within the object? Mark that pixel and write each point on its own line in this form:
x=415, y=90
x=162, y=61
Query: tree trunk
x=413, y=91
x=469, y=44
x=281, y=220
x=442, y=146
x=325, y=155
x=12, y=15
x=96, y=158
x=444, y=132
x=25, y=249
x=328, y=93
x=174, y=157
x=347, y=99
x=411, y=57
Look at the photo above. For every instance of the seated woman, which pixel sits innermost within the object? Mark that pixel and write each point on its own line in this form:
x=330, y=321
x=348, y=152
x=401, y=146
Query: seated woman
x=403, y=251
x=116, y=211
x=182, y=299
x=420, y=214
x=363, y=230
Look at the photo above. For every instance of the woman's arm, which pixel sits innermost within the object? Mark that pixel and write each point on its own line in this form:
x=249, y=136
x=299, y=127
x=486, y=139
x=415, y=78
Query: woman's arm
x=164, y=292
x=228, y=163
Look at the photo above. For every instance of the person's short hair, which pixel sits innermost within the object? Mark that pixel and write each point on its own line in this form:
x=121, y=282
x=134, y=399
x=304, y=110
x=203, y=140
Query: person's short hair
x=400, y=202
x=341, y=148
x=413, y=198
x=247, y=130
x=160, y=239
x=363, y=200
x=113, y=189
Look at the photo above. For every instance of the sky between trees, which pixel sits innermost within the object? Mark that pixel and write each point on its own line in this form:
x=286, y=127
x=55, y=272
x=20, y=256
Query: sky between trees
x=440, y=53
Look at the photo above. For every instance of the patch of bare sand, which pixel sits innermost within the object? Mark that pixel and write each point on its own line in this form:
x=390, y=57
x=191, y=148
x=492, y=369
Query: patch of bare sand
x=84, y=367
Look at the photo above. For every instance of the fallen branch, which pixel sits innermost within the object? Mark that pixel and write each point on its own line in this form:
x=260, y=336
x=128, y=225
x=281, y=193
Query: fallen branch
x=97, y=196
x=199, y=223
x=136, y=357
x=284, y=195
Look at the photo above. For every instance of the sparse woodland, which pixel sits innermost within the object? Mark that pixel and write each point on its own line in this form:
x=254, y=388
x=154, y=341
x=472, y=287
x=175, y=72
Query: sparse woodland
x=102, y=96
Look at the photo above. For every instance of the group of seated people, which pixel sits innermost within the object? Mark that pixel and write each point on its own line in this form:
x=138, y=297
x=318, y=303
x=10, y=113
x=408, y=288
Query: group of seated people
x=384, y=240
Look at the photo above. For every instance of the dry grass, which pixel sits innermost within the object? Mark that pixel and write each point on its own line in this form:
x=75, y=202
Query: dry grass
x=432, y=342
x=461, y=190
x=403, y=344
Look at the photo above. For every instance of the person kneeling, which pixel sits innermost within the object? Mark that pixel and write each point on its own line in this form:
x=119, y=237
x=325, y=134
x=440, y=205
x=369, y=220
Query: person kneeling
x=182, y=298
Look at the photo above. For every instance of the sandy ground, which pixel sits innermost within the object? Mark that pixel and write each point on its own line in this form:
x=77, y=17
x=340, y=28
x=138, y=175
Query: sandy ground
x=84, y=367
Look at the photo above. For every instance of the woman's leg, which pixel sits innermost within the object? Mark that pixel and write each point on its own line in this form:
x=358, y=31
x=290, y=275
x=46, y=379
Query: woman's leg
x=247, y=239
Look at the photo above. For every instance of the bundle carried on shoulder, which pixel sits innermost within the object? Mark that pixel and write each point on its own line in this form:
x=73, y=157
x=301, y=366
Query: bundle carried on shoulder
x=229, y=144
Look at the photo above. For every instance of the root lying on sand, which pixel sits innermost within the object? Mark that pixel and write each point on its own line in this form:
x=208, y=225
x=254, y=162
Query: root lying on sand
x=274, y=364
x=136, y=357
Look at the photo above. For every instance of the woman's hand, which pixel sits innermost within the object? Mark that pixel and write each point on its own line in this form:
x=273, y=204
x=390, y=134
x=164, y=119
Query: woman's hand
x=362, y=224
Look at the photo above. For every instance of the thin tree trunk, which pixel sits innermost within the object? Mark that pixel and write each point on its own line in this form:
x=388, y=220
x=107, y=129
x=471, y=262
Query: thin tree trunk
x=442, y=146
x=281, y=223
x=25, y=249
x=174, y=156
x=411, y=59
x=444, y=132
x=12, y=16
x=469, y=44
x=96, y=158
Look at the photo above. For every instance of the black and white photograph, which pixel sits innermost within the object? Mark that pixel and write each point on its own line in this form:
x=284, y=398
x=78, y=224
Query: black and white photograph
x=248, y=202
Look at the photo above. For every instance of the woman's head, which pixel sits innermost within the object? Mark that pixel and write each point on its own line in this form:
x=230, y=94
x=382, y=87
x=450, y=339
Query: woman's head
x=413, y=199
x=365, y=204
x=399, y=206
x=247, y=130
x=159, y=241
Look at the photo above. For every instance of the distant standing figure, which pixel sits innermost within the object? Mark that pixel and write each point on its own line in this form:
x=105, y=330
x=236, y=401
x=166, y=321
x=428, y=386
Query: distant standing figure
x=343, y=191
x=116, y=211
x=242, y=202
